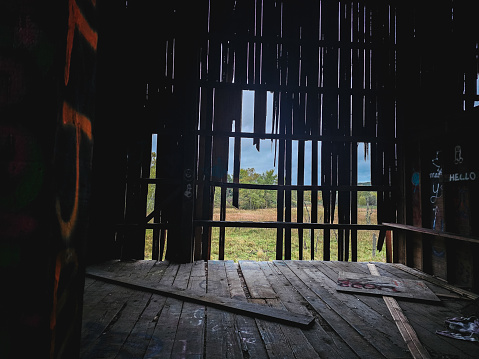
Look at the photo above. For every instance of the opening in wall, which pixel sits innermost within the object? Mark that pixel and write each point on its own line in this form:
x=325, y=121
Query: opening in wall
x=364, y=163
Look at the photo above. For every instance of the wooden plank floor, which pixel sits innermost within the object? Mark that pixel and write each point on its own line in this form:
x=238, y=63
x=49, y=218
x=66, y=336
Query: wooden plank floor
x=119, y=322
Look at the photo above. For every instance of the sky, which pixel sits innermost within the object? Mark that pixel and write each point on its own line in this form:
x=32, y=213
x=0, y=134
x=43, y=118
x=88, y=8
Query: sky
x=263, y=160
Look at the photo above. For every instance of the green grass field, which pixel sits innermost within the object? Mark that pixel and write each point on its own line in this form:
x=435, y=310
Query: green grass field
x=260, y=244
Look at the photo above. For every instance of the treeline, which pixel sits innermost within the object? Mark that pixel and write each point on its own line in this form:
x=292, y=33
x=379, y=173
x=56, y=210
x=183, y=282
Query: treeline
x=251, y=198
x=257, y=198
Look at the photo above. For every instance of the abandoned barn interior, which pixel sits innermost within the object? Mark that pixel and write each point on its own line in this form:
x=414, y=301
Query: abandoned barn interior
x=95, y=94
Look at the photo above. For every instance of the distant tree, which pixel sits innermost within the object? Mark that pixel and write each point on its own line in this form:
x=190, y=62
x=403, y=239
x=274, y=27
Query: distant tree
x=252, y=198
x=366, y=198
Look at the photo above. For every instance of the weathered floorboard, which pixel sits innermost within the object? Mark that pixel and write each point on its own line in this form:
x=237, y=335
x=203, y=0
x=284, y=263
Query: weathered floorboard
x=129, y=322
x=222, y=340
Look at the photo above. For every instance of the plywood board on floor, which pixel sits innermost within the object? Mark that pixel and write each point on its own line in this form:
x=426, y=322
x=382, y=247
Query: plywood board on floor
x=393, y=287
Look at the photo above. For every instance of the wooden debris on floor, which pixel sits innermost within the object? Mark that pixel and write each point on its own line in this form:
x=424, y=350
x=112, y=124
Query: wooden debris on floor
x=221, y=302
x=122, y=322
x=393, y=287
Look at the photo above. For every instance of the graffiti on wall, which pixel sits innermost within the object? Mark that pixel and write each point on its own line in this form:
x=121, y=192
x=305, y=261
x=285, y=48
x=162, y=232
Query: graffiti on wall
x=73, y=165
x=436, y=192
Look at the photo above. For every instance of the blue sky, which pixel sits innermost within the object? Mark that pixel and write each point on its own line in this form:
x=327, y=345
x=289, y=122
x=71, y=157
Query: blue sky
x=264, y=160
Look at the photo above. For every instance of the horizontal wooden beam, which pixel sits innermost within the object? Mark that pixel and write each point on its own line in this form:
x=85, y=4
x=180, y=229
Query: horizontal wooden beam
x=133, y=226
x=249, y=224
x=223, y=303
x=298, y=137
x=275, y=187
x=431, y=232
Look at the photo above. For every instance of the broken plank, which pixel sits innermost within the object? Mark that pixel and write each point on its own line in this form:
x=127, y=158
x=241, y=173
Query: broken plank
x=259, y=115
x=408, y=333
x=211, y=300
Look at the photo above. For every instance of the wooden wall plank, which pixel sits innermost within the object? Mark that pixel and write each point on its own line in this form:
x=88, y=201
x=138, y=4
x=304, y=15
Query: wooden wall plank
x=287, y=117
x=260, y=97
x=300, y=196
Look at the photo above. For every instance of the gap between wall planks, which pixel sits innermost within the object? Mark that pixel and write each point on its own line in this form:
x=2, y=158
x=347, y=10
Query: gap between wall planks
x=408, y=333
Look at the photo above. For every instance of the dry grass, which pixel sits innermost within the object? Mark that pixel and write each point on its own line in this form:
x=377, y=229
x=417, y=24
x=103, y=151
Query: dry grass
x=260, y=243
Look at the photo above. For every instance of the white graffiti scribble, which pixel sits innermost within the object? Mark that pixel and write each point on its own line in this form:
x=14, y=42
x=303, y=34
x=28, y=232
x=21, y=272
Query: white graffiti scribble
x=437, y=190
x=458, y=155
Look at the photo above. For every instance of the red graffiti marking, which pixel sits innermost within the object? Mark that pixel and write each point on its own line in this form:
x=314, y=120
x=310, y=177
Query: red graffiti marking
x=67, y=258
x=66, y=267
x=82, y=125
x=70, y=116
x=76, y=20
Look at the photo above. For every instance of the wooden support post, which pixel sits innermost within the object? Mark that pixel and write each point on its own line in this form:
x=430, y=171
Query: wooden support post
x=389, y=248
x=221, y=253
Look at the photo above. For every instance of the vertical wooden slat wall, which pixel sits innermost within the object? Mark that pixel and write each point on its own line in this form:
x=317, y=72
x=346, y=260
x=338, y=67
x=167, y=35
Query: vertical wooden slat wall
x=439, y=114
x=330, y=66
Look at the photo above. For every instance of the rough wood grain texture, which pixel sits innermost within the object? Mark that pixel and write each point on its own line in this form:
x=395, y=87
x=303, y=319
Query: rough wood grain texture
x=415, y=346
x=210, y=300
x=122, y=322
x=431, y=232
x=364, y=284
x=222, y=338
x=436, y=281
x=246, y=327
x=258, y=285
x=309, y=290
